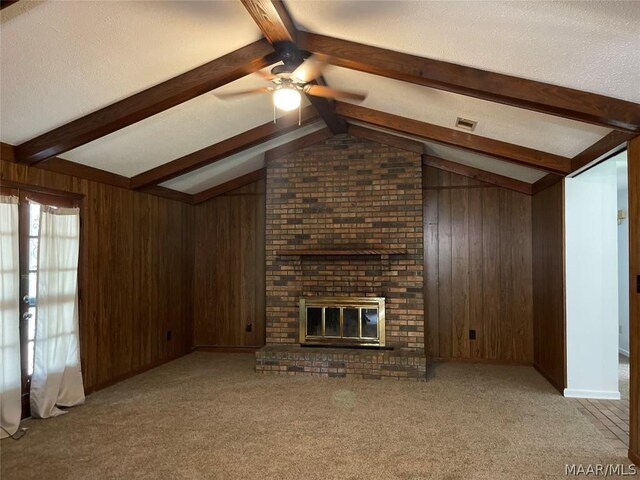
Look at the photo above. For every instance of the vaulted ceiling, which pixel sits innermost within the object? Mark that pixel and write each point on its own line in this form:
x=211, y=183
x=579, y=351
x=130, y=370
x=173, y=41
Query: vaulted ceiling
x=128, y=87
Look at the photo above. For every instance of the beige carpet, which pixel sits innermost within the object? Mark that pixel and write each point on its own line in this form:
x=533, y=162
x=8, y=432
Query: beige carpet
x=210, y=416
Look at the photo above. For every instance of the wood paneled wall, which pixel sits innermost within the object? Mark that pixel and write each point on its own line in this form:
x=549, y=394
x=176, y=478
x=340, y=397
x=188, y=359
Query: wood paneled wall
x=548, y=285
x=633, y=160
x=478, y=271
x=230, y=269
x=136, y=275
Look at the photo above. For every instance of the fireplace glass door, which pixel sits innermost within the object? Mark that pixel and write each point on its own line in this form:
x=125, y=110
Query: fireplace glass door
x=342, y=321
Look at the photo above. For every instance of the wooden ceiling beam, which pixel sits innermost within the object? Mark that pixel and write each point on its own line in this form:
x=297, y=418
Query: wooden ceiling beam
x=92, y=174
x=385, y=138
x=495, y=148
x=495, y=87
x=221, y=150
x=149, y=102
x=278, y=27
x=545, y=182
x=269, y=155
x=170, y=194
x=73, y=169
x=5, y=3
x=66, y=167
x=7, y=152
x=603, y=146
x=477, y=174
x=272, y=18
x=229, y=186
x=326, y=109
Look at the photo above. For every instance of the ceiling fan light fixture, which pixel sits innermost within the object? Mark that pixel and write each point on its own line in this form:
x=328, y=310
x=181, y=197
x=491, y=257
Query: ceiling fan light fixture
x=287, y=98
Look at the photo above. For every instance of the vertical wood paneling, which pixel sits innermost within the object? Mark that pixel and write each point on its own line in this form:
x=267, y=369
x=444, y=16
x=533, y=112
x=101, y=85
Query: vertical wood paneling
x=188, y=268
x=491, y=271
x=132, y=275
x=548, y=284
x=88, y=317
x=505, y=335
x=259, y=259
x=445, y=290
x=460, y=267
x=230, y=269
x=478, y=262
x=633, y=159
x=522, y=280
x=476, y=267
x=431, y=266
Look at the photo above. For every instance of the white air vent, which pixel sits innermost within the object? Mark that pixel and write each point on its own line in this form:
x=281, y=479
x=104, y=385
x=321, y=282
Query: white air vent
x=466, y=124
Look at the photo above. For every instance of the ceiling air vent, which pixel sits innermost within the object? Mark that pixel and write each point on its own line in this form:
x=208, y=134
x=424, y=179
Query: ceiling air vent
x=466, y=124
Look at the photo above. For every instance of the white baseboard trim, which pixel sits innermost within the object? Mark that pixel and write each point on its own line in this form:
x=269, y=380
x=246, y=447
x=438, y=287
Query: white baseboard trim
x=597, y=394
x=624, y=352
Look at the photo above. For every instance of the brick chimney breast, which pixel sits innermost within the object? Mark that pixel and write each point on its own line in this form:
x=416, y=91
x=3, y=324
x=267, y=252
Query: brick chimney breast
x=346, y=193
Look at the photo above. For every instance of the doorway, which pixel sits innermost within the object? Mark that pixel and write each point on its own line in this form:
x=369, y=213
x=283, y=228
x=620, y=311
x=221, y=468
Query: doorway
x=621, y=162
x=598, y=319
x=592, y=292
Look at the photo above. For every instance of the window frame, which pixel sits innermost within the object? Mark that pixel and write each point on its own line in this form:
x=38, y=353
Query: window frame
x=44, y=196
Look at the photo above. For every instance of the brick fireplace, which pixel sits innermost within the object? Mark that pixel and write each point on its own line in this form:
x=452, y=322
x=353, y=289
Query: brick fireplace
x=344, y=220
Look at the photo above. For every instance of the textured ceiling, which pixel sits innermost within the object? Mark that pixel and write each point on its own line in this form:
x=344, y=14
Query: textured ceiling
x=484, y=162
x=62, y=60
x=588, y=45
x=176, y=132
x=236, y=165
x=501, y=122
x=473, y=159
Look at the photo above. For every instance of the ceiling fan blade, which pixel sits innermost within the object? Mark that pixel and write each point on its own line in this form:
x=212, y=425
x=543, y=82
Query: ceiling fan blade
x=328, y=92
x=266, y=75
x=241, y=93
x=311, y=68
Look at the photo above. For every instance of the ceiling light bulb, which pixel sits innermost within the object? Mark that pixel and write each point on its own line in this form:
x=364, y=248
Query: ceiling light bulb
x=287, y=98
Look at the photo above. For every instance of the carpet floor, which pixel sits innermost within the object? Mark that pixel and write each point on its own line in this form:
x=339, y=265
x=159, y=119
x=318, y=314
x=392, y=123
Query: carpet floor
x=210, y=416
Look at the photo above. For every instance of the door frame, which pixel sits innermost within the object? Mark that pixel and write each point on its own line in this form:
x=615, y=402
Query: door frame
x=633, y=166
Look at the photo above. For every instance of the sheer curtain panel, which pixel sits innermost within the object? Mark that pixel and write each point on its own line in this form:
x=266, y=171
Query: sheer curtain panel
x=10, y=405
x=57, y=378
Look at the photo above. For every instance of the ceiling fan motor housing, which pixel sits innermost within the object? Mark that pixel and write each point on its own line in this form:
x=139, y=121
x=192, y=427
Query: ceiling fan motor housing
x=283, y=70
x=289, y=53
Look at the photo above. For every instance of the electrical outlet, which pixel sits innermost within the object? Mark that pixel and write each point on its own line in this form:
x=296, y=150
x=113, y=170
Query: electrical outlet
x=472, y=334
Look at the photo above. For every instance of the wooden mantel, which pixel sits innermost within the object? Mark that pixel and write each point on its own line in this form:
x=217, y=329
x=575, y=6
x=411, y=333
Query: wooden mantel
x=341, y=252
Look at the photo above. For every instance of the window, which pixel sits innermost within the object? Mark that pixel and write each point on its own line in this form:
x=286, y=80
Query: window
x=29, y=223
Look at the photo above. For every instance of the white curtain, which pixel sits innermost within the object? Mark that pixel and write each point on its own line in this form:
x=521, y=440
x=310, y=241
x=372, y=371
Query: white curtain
x=10, y=405
x=57, y=378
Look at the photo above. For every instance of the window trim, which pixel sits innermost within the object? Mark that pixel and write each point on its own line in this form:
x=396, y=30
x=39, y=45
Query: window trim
x=44, y=196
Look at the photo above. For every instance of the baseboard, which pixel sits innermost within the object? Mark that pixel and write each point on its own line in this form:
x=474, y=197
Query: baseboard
x=133, y=373
x=596, y=394
x=624, y=352
x=634, y=457
x=488, y=361
x=224, y=349
x=549, y=378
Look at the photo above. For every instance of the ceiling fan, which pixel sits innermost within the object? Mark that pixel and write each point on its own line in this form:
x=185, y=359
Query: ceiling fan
x=290, y=80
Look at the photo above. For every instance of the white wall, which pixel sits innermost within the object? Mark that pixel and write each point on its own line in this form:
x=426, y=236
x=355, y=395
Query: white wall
x=623, y=255
x=591, y=263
